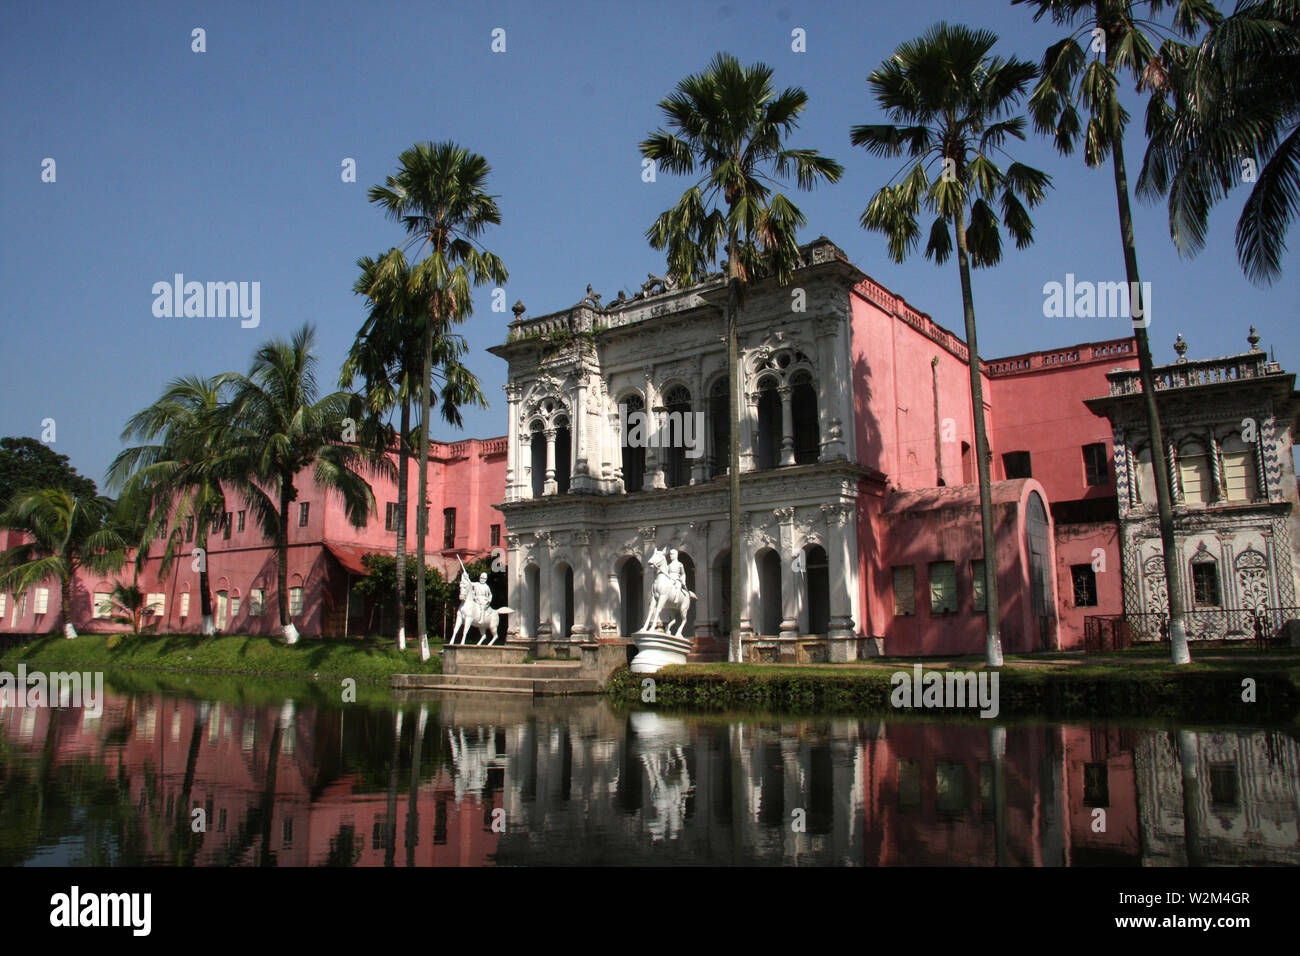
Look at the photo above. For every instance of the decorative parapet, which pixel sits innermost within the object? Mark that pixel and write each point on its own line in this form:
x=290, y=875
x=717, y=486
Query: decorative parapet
x=897, y=306
x=1190, y=373
x=1083, y=354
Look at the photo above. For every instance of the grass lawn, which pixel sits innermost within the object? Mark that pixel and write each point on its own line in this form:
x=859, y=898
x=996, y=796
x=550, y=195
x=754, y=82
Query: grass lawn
x=367, y=659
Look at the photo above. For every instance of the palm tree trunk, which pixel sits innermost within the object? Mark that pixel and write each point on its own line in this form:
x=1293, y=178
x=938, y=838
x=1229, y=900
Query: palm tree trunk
x=403, y=469
x=65, y=601
x=1159, y=465
x=992, y=635
x=422, y=506
x=734, y=649
x=209, y=626
x=287, y=494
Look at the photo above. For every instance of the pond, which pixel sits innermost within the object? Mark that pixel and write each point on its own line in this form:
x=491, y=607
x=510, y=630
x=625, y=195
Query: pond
x=230, y=772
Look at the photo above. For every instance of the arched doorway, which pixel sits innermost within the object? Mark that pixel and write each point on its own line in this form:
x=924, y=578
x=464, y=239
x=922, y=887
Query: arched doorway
x=803, y=413
x=672, y=440
x=533, y=600
x=631, y=586
x=1038, y=544
x=769, y=593
x=721, y=593
x=720, y=427
x=564, y=599
x=537, y=458
x=688, y=566
x=633, y=450
x=769, y=425
x=563, y=456
x=818, y=584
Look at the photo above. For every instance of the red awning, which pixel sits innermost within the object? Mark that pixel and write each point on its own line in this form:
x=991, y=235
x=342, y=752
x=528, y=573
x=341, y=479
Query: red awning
x=350, y=555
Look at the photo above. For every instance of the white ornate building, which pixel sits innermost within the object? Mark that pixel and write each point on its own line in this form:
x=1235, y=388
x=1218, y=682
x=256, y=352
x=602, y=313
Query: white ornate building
x=583, y=511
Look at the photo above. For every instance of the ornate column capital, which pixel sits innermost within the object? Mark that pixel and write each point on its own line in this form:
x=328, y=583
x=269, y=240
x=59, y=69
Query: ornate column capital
x=783, y=515
x=836, y=514
x=647, y=533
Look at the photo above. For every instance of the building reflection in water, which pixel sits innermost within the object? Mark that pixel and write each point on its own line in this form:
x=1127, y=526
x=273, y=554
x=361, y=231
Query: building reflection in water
x=474, y=780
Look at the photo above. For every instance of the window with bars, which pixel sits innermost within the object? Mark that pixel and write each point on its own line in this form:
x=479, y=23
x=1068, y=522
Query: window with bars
x=304, y=509
x=1205, y=584
x=295, y=600
x=943, y=587
x=495, y=535
x=390, y=516
x=1085, y=585
x=448, y=528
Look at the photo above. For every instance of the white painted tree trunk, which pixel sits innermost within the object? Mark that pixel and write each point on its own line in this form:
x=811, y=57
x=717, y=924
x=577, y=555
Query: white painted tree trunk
x=401, y=638
x=424, y=647
x=209, y=625
x=290, y=634
x=69, y=631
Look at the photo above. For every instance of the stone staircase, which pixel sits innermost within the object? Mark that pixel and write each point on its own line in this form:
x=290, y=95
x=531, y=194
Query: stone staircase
x=504, y=669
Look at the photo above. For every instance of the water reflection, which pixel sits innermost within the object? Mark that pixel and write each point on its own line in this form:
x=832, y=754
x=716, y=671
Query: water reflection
x=459, y=780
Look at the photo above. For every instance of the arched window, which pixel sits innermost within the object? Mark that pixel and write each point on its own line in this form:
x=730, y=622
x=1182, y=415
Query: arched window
x=1038, y=546
x=1194, y=473
x=720, y=427
x=672, y=439
x=1239, y=482
x=564, y=599
x=563, y=456
x=803, y=408
x=722, y=591
x=769, y=424
x=633, y=452
x=537, y=443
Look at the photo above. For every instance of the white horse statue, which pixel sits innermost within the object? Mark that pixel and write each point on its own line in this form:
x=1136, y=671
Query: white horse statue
x=668, y=593
x=476, y=611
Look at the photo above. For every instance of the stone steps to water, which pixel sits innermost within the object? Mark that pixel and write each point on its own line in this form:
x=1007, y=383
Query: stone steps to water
x=487, y=683
x=560, y=669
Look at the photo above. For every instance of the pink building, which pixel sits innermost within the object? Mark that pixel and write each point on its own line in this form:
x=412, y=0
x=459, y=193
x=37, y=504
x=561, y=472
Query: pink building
x=465, y=481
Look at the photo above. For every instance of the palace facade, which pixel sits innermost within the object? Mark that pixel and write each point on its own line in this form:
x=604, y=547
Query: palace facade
x=859, y=502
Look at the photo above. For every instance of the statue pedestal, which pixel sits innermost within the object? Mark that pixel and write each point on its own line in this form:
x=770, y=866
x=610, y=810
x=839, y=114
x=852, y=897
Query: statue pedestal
x=657, y=649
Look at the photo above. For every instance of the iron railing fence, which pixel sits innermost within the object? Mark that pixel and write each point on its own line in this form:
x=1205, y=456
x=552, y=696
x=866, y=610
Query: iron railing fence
x=1112, y=632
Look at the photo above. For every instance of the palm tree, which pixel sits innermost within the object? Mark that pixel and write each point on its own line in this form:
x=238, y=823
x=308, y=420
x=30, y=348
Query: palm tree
x=438, y=194
x=174, y=477
x=277, y=424
x=1231, y=100
x=126, y=605
x=388, y=354
x=68, y=532
x=728, y=125
x=954, y=105
x=1069, y=80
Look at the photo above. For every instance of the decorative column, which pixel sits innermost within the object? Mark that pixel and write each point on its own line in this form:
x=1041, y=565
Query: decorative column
x=609, y=628
x=1219, y=492
x=582, y=582
x=787, y=425
x=831, y=413
x=1175, y=480
x=550, y=487
x=841, y=555
x=747, y=578
x=545, y=585
x=515, y=588
x=512, y=439
x=790, y=583
x=748, y=426
x=654, y=473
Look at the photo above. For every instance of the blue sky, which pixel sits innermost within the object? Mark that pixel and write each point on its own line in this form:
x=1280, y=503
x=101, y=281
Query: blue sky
x=225, y=166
